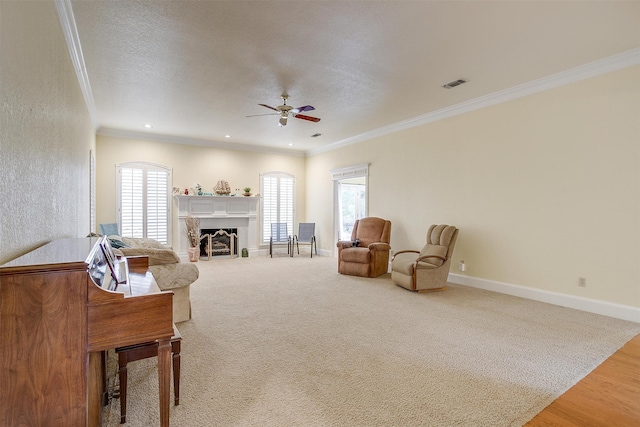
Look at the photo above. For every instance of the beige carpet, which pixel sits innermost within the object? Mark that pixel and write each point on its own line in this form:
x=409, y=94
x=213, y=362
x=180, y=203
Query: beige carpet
x=289, y=342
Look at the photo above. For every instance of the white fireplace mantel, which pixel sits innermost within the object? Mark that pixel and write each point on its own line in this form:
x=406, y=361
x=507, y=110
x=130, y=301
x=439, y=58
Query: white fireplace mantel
x=220, y=212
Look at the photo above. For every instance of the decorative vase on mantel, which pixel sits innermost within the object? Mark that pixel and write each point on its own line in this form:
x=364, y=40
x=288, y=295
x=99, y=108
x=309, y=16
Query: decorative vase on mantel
x=194, y=254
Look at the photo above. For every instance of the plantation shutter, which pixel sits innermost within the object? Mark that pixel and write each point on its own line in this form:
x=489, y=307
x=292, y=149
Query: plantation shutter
x=143, y=201
x=157, y=206
x=131, y=203
x=277, y=190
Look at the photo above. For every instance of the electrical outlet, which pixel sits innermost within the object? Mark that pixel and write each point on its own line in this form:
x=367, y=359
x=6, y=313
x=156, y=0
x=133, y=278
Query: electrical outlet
x=582, y=282
x=461, y=266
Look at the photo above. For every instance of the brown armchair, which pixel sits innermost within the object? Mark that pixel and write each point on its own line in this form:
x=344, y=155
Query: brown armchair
x=427, y=269
x=370, y=257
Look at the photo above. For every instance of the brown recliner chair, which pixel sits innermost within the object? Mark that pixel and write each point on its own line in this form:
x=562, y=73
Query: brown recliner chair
x=427, y=269
x=370, y=256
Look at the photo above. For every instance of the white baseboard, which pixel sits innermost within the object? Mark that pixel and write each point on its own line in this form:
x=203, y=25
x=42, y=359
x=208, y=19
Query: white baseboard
x=618, y=311
x=325, y=252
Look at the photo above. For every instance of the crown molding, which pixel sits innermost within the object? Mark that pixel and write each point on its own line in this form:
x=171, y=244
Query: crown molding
x=170, y=139
x=592, y=69
x=70, y=31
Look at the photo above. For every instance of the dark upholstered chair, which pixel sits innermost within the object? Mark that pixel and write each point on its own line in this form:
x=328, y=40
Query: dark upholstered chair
x=427, y=269
x=367, y=253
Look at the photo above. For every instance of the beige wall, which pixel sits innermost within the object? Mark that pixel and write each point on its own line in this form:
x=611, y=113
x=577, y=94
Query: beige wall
x=45, y=132
x=544, y=189
x=191, y=164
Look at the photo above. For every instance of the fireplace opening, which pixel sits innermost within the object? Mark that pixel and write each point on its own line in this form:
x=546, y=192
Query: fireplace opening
x=218, y=242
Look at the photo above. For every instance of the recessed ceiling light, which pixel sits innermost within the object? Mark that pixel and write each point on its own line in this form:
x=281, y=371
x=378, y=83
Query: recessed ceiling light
x=227, y=136
x=291, y=144
x=148, y=126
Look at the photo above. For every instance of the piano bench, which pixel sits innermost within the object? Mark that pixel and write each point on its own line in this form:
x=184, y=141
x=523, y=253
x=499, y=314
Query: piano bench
x=135, y=352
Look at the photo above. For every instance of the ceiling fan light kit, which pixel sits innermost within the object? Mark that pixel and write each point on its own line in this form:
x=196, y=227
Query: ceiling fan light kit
x=285, y=111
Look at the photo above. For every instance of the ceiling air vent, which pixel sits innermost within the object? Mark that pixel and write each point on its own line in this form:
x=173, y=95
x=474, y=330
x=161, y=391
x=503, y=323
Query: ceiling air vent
x=315, y=135
x=454, y=83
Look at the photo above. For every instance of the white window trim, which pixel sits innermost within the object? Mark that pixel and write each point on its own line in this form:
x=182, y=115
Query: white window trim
x=264, y=239
x=338, y=175
x=145, y=166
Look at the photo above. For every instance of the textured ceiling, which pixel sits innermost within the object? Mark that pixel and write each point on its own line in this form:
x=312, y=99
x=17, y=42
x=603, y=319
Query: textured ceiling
x=195, y=69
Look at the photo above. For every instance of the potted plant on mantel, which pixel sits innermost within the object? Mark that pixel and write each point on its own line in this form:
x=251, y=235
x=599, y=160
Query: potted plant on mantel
x=247, y=191
x=193, y=237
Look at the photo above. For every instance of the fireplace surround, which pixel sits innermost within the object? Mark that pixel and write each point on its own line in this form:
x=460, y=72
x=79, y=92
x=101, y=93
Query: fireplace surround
x=220, y=212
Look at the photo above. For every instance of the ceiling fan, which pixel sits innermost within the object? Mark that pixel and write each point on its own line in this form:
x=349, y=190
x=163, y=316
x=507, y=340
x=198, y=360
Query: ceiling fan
x=284, y=111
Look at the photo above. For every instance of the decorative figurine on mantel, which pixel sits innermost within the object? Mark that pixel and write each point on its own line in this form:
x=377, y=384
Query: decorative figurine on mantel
x=199, y=189
x=222, y=188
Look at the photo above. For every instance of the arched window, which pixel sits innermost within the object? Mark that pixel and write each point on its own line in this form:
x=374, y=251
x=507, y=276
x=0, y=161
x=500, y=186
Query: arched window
x=143, y=193
x=278, y=202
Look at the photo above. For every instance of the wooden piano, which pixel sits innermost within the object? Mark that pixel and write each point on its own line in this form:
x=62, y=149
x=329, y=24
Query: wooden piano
x=61, y=306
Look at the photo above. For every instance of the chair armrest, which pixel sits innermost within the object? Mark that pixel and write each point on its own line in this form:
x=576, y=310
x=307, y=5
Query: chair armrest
x=344, y=244
x=379, y=246
x=404, y=252
x=422, y=258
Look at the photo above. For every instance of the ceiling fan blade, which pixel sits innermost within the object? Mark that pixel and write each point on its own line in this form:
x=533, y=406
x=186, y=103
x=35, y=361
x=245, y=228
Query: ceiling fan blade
x=265, y=105
x=303, y=117
x=265, y=114
x=283, y=121
x=303, y=108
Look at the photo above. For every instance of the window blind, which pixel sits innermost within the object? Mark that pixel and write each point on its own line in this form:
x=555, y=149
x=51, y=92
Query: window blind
x=143, y=201
x=277, y=190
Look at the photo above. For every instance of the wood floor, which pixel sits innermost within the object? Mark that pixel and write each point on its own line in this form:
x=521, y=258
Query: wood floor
x=608, y=396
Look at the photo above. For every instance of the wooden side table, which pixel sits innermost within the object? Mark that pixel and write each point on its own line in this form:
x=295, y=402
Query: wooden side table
x=135, y=352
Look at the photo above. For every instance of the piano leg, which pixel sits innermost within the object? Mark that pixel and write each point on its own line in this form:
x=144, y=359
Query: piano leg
x=175, y=350
x=96, y=388
x=164, y=379
x=105, y=385
x=122, y=377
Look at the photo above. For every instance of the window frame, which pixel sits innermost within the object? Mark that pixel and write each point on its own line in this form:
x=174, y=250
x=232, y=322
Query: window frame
x=265, y=231
x=146, y=167
x=346, y=174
